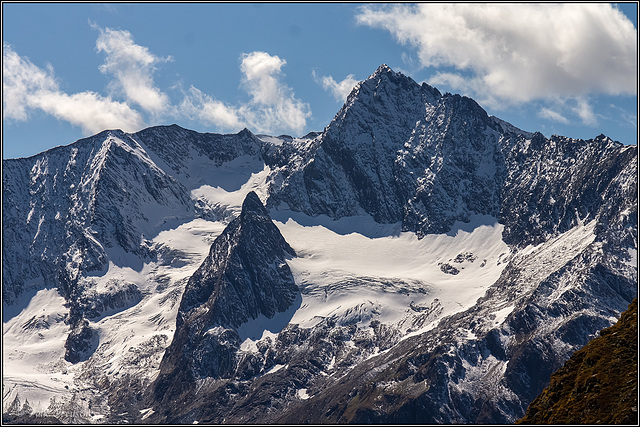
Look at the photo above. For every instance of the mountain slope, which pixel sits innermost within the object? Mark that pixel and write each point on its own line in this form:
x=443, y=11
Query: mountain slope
x=446, y=263
x=93, y=231
x=245, y=276
x=598, y=384
x=389, y=153
x=483, y=365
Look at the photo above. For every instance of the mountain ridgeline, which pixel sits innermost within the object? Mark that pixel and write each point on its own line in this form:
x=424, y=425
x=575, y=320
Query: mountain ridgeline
x=86, y=218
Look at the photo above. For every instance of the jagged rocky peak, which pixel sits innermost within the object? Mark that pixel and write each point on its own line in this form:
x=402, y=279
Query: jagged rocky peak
x=384, y=73
x=245, y=276
x=69, y=203
x=386, y=86
x=253, y=209
x=350, y=167
x=401, y=151
x=383, y=68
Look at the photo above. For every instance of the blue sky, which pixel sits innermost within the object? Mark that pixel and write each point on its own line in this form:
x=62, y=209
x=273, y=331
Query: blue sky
x=71, y=70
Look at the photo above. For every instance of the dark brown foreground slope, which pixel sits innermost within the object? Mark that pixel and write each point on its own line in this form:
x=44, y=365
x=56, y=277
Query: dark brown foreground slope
x=598, y=384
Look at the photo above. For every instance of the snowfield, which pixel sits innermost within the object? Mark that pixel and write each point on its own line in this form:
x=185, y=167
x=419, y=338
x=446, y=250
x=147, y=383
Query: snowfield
x=376, y=272
x=383, y=276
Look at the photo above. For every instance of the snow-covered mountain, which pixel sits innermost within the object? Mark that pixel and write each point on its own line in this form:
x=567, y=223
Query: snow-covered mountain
x=417, y=261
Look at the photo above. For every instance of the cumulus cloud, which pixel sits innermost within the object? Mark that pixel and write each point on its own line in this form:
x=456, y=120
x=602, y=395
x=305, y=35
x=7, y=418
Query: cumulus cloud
x=273, y=104
x=272, y=107
x=340, y=90
x=25, y=86
x=514, y=53
x=132, y=66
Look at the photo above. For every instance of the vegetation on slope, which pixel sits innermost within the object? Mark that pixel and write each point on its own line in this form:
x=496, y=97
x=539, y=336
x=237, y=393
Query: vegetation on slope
x=598, y=384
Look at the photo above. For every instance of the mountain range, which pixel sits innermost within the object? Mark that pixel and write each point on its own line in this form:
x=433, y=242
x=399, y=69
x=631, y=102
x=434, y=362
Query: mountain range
x=417, y=261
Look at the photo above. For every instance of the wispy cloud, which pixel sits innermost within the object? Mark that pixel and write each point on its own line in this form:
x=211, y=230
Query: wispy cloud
x=514, y=53
x=132, y=66
x=584, y=110
x=340, y=90
x=549, y=114
x=20, y=81
x=197, y=105
x=25, y=87
x=272, y=107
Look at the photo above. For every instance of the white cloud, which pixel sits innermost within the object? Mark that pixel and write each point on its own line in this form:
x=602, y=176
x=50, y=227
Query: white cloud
x=511, y=53
x=93, y=112
x=19, y=79
x=549, y=114
x=585, y=112
x=26, y=86
x=200, y=106
x=132, y=65
x=273, y=106
x=261, y=73
x=340, y=90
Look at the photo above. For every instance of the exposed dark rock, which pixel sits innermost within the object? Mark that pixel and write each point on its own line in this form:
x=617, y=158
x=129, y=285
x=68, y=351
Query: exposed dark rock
x=245, y=276
x=598, y=384
x=81, y=342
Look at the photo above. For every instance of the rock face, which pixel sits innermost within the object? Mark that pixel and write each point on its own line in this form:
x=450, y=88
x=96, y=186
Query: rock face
x=598, y=384
x=245, y=276
x=70, y=210
x=398, y=151
x=159, y=236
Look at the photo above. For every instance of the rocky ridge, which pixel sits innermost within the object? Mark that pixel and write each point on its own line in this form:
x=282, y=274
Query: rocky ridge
x=397, y=151
x=245, y=276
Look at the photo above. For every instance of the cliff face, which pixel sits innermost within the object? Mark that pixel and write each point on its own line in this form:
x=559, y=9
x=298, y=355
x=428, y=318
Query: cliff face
x=245, y=276
x=598, y=384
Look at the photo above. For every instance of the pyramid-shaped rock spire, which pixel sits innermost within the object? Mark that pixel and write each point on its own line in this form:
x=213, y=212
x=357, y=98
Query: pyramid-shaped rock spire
x=245, y=274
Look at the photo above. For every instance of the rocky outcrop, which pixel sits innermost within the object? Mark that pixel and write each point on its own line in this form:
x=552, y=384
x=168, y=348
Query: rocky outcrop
x=245, y=276
x=598, y=384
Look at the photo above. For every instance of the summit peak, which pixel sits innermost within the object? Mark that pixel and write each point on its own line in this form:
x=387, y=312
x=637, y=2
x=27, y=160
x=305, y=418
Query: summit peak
x=384, y=68
x=253, y=204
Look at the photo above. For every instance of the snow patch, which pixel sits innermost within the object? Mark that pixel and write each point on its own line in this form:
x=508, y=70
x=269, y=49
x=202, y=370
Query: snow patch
x=274, y=369
x=302, y=394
